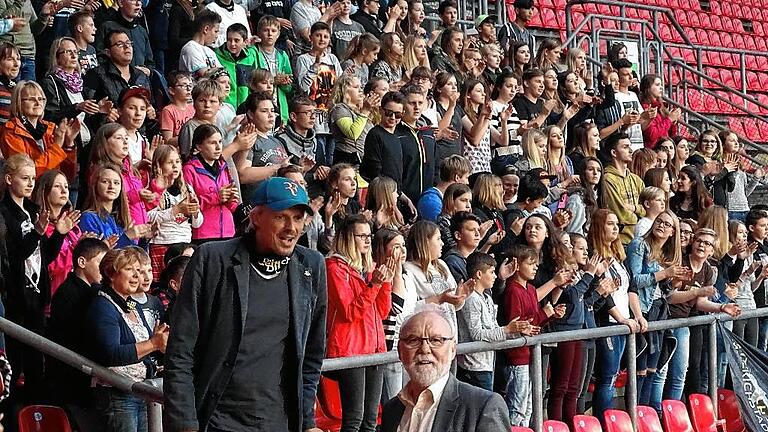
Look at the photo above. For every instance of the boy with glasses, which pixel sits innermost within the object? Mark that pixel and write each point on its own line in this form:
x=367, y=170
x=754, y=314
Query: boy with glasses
x=180, y=110
x=298, y=138
x=383, y=154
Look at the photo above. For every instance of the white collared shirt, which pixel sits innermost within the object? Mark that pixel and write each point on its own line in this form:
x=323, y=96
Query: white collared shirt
x=419, y=416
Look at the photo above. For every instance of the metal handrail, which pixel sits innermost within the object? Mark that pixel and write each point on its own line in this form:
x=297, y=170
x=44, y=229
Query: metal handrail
x=152, y=392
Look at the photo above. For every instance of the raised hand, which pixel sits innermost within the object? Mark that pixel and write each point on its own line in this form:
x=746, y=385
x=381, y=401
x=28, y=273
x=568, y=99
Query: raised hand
x=147, y=195
x=508, y=268
x=67, y=221
x=559, y=310
x=382, y=274
x=42, y=221
x=246, y=137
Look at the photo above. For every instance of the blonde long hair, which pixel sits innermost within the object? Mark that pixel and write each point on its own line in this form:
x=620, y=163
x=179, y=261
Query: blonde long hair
x=670, y=252
x=716, y=219
x=486, y=192
x=531, y=150
x=409, y=55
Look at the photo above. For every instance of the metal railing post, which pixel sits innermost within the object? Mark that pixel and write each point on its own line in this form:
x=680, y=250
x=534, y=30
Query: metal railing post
x=537, y=393
x=154, y=417
x=713, y=364
x=631, y=395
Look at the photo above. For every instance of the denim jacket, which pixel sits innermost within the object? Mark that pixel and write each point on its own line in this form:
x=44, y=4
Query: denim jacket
x=642, y=271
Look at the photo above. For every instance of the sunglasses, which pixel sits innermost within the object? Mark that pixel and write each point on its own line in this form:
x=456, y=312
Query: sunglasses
x=389, y=113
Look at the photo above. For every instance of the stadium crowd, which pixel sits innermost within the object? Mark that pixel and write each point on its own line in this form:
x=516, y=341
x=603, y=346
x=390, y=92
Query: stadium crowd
x=484, y=172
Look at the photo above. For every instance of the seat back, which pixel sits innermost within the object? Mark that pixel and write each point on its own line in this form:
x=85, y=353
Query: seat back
x=555, y=426
x=647, y=419
x=728, y=410
x=702, y=413
x=675, y=416
x=43, y=418
x=585, y=423
x=329, y=398
x=617, y=421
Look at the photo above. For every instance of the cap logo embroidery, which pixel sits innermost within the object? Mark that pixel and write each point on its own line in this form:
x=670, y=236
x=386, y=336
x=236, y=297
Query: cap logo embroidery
x=292, y=188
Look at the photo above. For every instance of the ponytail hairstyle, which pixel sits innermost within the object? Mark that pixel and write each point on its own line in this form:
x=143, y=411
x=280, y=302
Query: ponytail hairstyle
x=360, y=44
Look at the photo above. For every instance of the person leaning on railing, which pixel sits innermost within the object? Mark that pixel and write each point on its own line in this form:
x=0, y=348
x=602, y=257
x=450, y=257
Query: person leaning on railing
x=123, y=340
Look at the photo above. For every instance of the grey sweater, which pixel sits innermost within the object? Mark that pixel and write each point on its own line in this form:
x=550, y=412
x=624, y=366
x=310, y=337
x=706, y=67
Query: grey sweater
x=745, y=185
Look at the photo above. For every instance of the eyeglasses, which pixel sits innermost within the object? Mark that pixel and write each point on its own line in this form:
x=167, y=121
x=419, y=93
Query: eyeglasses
x=686, y=232
x=40, y=99
x=664, y=224
x=389, y=113
x=705, y=243
x=368, y=237
x=432, y=341
x=310, y=113
x=122, y=44
x=67, y=52
x=184, y=86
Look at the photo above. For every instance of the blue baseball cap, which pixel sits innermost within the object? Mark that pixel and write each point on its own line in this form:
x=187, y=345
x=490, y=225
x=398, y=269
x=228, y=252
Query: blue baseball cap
x=280, y=193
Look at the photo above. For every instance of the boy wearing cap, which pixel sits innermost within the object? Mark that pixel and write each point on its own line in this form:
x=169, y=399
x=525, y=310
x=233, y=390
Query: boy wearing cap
x=518, y=30
x=486, y=30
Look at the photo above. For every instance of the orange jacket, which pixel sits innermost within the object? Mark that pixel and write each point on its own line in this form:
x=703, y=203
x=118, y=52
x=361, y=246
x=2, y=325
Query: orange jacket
x=15, y=139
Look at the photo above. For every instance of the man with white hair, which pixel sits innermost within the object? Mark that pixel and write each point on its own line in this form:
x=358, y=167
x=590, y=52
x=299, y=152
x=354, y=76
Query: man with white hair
x=433, y=399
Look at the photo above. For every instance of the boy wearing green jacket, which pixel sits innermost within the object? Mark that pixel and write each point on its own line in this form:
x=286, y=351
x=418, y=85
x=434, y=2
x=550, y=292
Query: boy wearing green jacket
x=239, y=60
x=276, y=61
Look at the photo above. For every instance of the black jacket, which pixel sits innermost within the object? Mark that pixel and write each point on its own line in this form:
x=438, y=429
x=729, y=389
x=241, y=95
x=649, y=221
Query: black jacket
x=66, y=326
x=208, y=321
x=462, y=408
x=138, y=35
x=106, y=81
x=372, y=24
x=25, y=306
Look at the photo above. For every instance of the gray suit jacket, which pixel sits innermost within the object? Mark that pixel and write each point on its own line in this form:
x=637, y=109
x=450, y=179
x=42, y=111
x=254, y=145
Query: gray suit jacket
x=462, y=408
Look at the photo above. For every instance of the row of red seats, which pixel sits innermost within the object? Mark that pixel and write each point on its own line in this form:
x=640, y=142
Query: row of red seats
x=676, y=418
x=707, y=103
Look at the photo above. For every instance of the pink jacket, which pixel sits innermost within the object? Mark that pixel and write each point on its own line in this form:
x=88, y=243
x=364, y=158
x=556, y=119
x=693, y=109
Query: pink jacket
x=62, y=265
x=219, y=222
x=132, y=185
x=660, y=127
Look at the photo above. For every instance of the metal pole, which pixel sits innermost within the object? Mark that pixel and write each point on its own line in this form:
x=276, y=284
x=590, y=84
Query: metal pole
x=154, y=417
x=537, y=394
x=713, y=364
x=631, y=395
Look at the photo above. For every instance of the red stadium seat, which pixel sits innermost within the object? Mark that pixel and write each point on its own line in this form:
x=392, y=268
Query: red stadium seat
x=703, y=414
x=735, y=124
x=330, y=400
x=617, y=421
x=555, y=426
x=676, y=416
x=647, y=419
x=585, y=423
x=43, y=418
x=753, y=81
x=521, y=429
x=751, y=128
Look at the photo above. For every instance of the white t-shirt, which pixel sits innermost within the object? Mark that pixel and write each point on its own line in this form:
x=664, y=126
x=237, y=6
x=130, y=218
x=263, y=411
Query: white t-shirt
x=621, y=295
x=194, y=57
x=237, y=15
x=629, y=101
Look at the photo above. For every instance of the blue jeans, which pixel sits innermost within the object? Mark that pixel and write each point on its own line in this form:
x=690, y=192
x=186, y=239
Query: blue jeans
x=607, y=364
x=482, y=379
x=737, y=215
x=519, y=395
x=27, y=69
x=762, y=338
x=123, y=412
x=673, y=375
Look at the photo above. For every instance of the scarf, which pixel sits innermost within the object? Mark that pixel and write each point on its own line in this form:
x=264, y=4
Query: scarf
x=73, y=82
x=7, y=82
x=38, y=131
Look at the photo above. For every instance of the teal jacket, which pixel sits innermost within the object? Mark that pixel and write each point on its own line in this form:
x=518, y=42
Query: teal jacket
x=283, y=92
x=240, y=72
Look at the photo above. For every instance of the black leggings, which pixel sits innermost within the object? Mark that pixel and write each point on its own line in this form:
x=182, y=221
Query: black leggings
x=747, y=329
x=360, y=391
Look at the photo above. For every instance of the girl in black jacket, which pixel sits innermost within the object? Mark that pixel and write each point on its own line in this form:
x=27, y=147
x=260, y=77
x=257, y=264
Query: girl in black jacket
x=27, y=283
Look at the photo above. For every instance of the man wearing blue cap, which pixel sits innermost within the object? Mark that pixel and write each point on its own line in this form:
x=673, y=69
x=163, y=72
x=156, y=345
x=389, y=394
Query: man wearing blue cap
x=248, y=328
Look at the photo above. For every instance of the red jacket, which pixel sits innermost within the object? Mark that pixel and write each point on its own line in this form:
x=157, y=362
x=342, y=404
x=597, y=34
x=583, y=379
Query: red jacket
x=520, y=301
x=660, y=126
x=355, y=311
